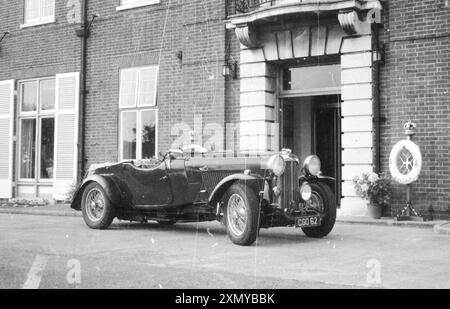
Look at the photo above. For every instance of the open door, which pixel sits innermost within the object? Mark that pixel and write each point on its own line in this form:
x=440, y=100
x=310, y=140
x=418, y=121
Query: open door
x=327, y=137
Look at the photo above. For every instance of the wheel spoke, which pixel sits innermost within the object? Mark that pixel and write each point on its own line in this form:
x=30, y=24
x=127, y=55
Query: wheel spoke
x=236, y=211
x=95, y=204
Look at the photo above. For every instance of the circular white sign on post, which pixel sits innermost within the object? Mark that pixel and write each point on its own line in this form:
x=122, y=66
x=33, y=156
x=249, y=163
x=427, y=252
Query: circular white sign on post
x=405, y=162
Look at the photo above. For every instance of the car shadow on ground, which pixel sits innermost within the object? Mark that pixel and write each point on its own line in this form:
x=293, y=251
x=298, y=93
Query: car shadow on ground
x=267, y=237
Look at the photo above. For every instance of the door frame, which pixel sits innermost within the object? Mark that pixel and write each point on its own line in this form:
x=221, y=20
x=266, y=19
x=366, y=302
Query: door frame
x=37, y=182
x=338, y=154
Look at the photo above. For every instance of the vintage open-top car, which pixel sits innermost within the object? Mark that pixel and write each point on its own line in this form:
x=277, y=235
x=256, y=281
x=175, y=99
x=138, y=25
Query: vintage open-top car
x=245, y=193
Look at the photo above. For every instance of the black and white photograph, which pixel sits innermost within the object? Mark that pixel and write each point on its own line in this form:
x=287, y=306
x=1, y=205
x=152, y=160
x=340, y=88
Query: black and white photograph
x=222, y=149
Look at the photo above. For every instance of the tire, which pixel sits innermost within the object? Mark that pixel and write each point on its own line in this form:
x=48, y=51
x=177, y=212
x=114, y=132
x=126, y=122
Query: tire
x=323, y=192
x=241, y=215
x=167, y=223
x=96, y=216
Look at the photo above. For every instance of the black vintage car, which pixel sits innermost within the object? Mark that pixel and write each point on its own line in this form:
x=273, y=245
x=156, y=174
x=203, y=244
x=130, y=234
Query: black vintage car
x=244, y=193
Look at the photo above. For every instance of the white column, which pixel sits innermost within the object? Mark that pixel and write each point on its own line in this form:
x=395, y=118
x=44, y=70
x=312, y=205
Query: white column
x=357, y=121
x=258, y=131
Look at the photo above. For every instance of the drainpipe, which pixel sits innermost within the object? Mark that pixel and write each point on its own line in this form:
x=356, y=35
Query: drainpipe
x=83, y=33
x=377, y=101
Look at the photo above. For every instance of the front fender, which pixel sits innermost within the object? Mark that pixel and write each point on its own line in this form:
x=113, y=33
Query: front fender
x=114, y=191
x=254, y=181
x=330, y=181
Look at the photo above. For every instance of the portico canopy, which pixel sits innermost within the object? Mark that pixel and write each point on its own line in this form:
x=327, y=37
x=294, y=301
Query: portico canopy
x=353, y=15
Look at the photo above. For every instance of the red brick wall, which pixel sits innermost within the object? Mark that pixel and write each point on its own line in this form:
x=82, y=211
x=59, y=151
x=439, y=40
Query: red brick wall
x=232, y=106
x=147, y=36
x=415, y=85
x=37, y=51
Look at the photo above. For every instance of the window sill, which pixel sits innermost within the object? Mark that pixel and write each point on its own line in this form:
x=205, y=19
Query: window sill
x=136, y=5
x=37, y=23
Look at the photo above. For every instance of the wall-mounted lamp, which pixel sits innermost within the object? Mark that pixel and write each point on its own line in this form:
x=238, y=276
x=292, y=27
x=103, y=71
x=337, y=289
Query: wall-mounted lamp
x=230, y=69
x=84, y=32
x=378, y=55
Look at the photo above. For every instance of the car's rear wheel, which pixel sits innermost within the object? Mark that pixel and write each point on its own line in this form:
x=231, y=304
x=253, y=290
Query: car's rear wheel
x=242, y=214
x=323, y=200
x=97, y=210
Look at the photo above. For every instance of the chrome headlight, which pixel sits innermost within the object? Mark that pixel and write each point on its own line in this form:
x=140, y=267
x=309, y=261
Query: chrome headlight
x=277, y=165
x=312, y=165
x=306, y=192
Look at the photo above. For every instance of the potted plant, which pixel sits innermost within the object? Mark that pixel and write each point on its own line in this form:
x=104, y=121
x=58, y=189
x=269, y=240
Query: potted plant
x=376, y=190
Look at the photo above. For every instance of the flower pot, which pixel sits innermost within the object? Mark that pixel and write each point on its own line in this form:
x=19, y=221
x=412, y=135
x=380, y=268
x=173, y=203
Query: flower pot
x=374, y=211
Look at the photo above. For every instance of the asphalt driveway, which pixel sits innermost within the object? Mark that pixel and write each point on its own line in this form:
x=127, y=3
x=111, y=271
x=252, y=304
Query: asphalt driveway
x=61, y=252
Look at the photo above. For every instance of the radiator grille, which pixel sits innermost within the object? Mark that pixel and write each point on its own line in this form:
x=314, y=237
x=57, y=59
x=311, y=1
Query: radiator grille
x=289, y=185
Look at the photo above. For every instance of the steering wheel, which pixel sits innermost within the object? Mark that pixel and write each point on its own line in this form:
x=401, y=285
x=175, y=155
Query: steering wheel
x=173, y=153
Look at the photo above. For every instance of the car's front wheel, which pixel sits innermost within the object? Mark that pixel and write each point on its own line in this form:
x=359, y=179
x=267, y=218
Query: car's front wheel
x=324, y=201
x=98, y=213
x=242, y=214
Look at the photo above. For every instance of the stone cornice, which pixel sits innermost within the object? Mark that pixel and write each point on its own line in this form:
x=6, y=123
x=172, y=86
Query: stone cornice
x=351, y=23
x=246, y=34
x=347, y=11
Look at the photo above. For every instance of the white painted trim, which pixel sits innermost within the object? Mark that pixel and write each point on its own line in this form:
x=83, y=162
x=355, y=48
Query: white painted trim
x=121, y=87
x=136, y=5
x=8, y=182
x=309, y=92
x=156, y=132
x=40, y=20
x=38, y=111
x=139, y=70
x=121, y=112
x=38, y=142
x=38, y=23
x=59, y=112
x=155, y=100
x=138, y=115
x=19, y=154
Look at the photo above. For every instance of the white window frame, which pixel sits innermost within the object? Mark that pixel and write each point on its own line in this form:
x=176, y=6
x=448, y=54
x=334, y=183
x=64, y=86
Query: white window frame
x=138, y=109
x=141, y=3
x=38, y=115
x=138, y=112
x=41, y=20
x=138, y=86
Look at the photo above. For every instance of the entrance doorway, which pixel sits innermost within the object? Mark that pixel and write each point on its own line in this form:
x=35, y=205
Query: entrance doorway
x=312, y=125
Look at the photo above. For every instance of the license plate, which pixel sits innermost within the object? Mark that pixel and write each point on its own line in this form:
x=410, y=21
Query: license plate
x=311, y=221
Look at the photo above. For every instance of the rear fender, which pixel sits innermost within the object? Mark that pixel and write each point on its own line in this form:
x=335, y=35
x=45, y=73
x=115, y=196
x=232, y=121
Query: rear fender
x=116, y=193
x=254, y=181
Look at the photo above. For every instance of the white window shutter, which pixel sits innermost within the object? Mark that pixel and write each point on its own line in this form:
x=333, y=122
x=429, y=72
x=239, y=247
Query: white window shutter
x=66, y=134
x=6, y=137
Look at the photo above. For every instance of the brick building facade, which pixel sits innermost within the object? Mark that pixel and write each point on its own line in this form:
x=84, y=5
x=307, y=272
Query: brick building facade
x=159, y=65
